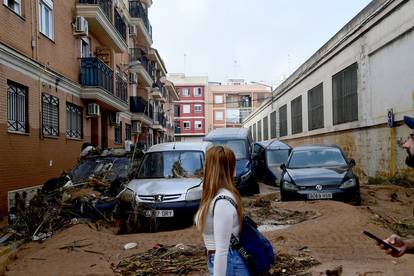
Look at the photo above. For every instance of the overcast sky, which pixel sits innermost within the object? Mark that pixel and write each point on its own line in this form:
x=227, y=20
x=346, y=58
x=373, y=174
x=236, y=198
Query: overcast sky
x=258, y=40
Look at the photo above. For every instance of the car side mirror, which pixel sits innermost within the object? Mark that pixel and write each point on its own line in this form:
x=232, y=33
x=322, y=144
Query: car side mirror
x=352, y=163
x=283, y=167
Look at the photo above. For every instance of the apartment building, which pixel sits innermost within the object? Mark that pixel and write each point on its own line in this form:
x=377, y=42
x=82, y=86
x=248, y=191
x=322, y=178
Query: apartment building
x=190, y=110
x=74, y=72
x=230, y=103
x=354, y=92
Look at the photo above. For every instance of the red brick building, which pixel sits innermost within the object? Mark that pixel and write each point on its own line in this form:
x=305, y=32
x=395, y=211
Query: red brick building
x=190, y=110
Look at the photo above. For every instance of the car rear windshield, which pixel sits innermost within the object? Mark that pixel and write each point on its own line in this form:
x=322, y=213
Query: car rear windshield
x=237, y=146
x=172, y=164
x=316, y=158
x=277, y=157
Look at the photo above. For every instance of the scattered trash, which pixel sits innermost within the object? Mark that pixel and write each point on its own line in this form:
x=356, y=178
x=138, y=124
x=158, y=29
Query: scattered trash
x=337, y=271
x=164, y=259
x=130, y=245
x=292, y=265
x=271, y=227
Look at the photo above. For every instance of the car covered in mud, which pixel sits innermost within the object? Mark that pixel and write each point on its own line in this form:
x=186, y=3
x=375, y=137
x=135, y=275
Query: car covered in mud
x=319, y=172
x=267, y=157
x=168, y=182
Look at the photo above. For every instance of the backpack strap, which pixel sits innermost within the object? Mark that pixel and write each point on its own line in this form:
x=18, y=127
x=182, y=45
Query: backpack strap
x=229, y=199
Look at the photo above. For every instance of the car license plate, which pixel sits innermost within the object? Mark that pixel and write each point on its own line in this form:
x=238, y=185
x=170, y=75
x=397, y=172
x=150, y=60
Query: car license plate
x=159, y=213
x=320, y=196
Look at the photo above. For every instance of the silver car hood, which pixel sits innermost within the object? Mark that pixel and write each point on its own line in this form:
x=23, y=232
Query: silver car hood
x=165, y=186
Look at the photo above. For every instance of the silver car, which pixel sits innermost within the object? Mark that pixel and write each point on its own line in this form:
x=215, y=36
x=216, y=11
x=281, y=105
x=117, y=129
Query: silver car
x=168, y=181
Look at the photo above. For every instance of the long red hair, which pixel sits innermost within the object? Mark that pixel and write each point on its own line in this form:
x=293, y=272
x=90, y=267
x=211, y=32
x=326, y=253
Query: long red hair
x=218, y=173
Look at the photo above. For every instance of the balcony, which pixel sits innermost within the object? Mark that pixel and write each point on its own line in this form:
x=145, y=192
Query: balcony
x=140, y=64
x=177, y=130
x=139, y=18
x=141, y=109
x=97, y=81
x=121, y=88
x=160, y=122
x=159, y=92
x=105, y=24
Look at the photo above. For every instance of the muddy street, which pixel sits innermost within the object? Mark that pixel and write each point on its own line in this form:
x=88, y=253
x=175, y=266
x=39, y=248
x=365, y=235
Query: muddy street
x=310, y=238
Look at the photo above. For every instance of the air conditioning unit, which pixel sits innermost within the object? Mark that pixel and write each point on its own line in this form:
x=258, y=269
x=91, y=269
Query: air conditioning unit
x=81, y=26
x=136, y=127
x=94, y=110
x=115, y=118
x=133, y=30
x=133, y=78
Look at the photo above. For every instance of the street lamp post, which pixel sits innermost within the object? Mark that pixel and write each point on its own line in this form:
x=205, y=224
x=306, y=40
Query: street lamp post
x=266, y=85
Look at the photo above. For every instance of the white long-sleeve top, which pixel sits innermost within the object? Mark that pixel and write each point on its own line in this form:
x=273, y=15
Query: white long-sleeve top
x=218, y=230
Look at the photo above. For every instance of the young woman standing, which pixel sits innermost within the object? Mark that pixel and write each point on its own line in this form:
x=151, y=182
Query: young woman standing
x=227, y=219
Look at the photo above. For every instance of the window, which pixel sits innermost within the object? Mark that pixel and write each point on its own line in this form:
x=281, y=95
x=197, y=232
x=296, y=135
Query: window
x=345, y=95
x=197, y=124
x=14, y=5
x=254, y=132
x=197, y=91
x=315, y=107
x=273, y=125
x=265, y=128
x=127, y=132
x=283, y=120
x=186, y=125
x=218, y=115
x=186, y=92
x=50, y=115
x=186, y=108
x=17, y=107
x=197, y=108
x=296, y=113
x=73, y=121
x=46, y=18
x=85, y=50
x=177, y=110
x=218, y=99
x=118, y=133
x=259, y=131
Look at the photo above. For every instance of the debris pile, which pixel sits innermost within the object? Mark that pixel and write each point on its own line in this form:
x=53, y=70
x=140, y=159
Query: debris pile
x=292, y=265
x=91, y=191
x=177, y=259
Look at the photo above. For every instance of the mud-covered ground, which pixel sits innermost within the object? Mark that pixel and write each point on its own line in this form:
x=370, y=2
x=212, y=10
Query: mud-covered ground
x=310, y=238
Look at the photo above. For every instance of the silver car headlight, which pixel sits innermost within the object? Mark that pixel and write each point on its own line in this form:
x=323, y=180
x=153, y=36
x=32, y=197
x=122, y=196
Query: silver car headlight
x=348, y=184
x=245, y=176
x=194, y=193
x=289, y=186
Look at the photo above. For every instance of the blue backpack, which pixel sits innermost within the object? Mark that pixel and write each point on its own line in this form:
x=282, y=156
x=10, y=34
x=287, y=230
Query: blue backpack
x=254, y=248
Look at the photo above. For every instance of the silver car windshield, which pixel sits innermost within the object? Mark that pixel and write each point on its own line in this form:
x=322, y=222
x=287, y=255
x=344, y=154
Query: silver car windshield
x=277, y=157
x=172, y=164
x=316, y=158
x=237, y=146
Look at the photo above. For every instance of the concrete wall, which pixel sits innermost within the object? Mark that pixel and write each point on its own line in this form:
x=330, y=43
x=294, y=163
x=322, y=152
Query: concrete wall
x=381, y=41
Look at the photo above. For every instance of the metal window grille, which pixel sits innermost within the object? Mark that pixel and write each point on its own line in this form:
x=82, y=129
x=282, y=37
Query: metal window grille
x=259, y=131
x=127, y=132
x=17, y=107
x=265, y=128
x=50, y=115
x=254, y=132
x=296, y=113
x=283, y=120
x=273, y=125
x=345, y=95
x=73, y=121
x=315, y=107
x=118, y=134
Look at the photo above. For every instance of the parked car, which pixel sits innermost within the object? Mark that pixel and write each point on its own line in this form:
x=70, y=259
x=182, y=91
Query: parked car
x=267, y=157
x=168, y=182
x=239, y=140
x=319, y=172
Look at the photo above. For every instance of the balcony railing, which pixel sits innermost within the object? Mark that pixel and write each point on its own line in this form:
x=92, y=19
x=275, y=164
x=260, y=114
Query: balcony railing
x=138, y=54
x=120, y=25
x=177, y=130
x=140, y=105
x=95, y=73
x=106, y=6
x=137, y=10
x=121, y=89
